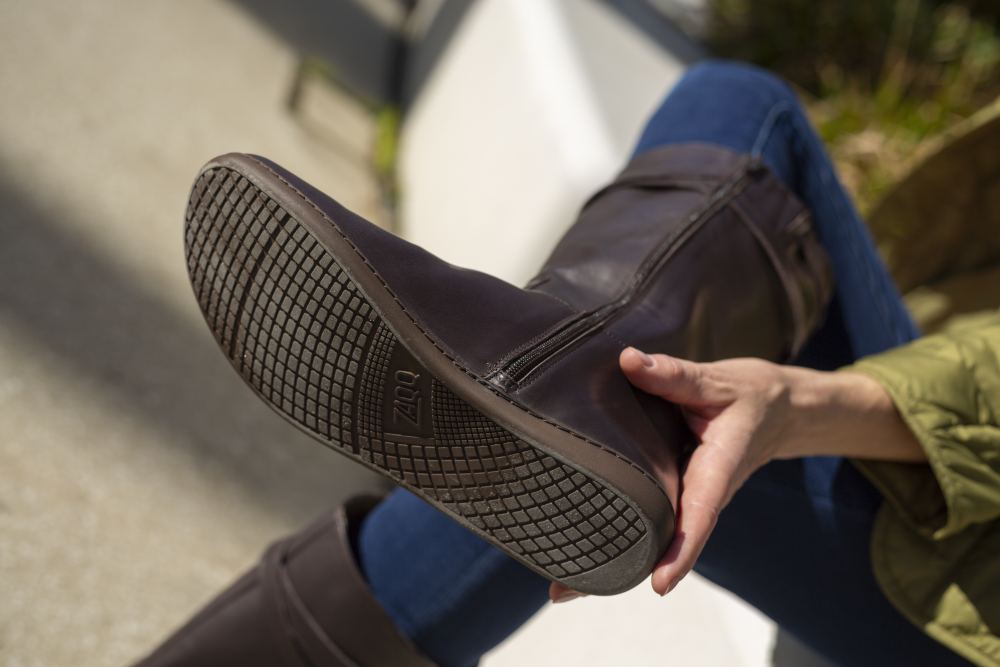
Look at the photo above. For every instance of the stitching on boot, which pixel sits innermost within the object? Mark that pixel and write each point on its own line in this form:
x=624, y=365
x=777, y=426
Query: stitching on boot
x=454, y=362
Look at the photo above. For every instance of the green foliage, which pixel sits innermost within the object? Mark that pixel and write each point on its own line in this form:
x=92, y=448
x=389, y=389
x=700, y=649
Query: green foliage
x=880, y=76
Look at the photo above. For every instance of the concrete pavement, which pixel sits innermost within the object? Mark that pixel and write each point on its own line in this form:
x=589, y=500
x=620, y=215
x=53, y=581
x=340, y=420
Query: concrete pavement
x=138, y=475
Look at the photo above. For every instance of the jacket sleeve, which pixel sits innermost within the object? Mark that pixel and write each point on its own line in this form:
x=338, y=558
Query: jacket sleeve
x=947, y=390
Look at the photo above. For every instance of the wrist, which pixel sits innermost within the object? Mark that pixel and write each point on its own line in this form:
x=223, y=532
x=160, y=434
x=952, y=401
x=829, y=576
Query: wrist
x=825, y=408
x=845, y=413
x=811, y=397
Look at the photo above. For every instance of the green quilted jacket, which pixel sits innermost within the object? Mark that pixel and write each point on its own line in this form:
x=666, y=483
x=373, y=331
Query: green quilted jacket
x=936, y=543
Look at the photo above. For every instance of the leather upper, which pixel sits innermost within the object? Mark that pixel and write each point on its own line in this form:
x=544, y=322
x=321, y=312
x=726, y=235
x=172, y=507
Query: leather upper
x=305, y=604
x=739, y=273
x=693, y=250
x=744, y=254
x=476, y=317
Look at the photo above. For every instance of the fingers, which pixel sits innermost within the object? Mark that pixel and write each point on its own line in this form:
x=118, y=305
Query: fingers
x=712, y=471
x=559, y=593
x=707, y=483
x=670, y=378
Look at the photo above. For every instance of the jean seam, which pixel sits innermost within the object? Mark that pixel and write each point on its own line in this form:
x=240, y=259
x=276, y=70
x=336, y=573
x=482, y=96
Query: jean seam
x=767, y=127
x=824, y=176
x=820, y=173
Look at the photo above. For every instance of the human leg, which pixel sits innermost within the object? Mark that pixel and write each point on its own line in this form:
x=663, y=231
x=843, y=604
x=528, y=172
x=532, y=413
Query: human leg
x=452, y=593
x=752, y=111
x=677, y=318
x=794, y=540
x=749, y=111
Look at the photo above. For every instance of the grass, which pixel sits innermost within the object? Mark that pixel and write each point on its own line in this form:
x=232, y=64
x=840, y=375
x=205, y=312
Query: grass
x=880, y=77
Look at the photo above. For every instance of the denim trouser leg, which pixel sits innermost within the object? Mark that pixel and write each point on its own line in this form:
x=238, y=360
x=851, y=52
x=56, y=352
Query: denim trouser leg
x=455, y=595
x=751, y=111
x=794, y=540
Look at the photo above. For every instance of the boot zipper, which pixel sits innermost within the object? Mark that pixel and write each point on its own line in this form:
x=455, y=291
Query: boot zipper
x=517, y=370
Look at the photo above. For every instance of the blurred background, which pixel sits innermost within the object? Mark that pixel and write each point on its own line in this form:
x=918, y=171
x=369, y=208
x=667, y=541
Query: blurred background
x=138, y=475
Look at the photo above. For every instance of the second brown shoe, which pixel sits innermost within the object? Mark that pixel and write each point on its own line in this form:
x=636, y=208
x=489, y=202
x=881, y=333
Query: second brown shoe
x=504, y=407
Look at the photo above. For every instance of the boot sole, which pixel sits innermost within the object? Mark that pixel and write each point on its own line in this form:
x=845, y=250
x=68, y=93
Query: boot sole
x=313, y=330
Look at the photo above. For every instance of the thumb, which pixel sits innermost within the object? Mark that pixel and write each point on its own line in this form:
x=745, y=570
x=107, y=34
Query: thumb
x=676, y=380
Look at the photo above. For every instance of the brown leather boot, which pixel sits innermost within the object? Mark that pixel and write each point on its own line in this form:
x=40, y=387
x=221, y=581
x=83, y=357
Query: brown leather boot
x=504, y=407
x=306, y=604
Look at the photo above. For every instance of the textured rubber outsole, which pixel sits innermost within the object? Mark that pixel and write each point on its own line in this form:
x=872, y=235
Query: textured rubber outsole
x=302, y=333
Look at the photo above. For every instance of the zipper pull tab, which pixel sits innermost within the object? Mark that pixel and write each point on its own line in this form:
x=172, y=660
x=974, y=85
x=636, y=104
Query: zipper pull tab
x=501, y=381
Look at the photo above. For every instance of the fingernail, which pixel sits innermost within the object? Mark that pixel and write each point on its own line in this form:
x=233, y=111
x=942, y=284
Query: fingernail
x=647, y=360
x=669, y=587
x=566, y=596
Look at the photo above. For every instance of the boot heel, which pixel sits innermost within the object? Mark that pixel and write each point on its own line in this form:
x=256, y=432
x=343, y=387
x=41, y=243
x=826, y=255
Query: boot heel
x=286, y=307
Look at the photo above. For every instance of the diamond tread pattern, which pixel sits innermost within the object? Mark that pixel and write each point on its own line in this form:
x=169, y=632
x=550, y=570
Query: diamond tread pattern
x=300, y=332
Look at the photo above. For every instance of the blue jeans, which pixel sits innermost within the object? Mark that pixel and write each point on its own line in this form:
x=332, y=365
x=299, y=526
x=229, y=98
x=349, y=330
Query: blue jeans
x=794, y=541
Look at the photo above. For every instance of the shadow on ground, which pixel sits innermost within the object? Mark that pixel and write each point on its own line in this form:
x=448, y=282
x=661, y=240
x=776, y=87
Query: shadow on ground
x=58, y=290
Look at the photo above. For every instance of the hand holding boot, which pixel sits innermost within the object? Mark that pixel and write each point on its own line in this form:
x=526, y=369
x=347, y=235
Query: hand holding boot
x=747, y=412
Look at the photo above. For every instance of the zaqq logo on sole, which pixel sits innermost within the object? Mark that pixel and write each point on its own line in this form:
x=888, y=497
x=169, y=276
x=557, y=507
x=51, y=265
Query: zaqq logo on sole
x=406, y=401
x=406, y=397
